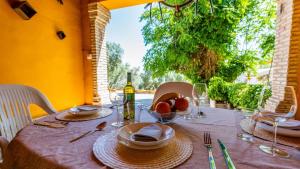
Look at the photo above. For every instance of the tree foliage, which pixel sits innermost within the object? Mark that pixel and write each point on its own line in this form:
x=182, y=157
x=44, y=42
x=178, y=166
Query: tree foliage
x=208, y=44
x=114, y=53
x=117, y=72
x=239, y=95
x=149, y=83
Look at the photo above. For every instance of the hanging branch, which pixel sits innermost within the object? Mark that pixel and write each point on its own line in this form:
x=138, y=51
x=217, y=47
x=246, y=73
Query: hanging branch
x=177, y=5
x=211, y=6
x=60, y=1
x=151, y=12
x=196, y=7
x=149, y=5
x=161, y=15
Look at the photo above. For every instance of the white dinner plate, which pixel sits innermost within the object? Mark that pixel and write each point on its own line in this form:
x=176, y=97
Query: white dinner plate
x=280, y=130
x=124, y=136
x=289, y=124
x=83, y=111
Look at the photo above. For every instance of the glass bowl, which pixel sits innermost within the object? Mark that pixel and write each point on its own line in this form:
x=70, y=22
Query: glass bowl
x=163, y=120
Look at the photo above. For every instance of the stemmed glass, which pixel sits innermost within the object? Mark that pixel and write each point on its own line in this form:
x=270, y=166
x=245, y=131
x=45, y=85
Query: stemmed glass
x=189, y=112
x=200, y=98
x=247, y=114
x=276, y=118
x=255, y=113
x=273, y=150
x=141, y=108
x=117, y=100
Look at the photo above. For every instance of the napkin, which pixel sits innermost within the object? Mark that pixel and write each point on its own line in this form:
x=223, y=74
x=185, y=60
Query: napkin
x=149, y=133
x=290, y=124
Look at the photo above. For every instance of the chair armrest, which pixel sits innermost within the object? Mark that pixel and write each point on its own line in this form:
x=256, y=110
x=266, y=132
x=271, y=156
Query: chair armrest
x=3, y=145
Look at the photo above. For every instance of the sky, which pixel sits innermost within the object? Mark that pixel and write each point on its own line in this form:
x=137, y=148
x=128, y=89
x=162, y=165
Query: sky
x=124, y=28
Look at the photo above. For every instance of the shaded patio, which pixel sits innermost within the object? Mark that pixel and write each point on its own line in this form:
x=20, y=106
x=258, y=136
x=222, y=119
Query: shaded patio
x=73, y=71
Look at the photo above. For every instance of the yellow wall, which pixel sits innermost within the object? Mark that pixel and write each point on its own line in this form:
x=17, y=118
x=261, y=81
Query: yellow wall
x=115, y=4
x=31, y=53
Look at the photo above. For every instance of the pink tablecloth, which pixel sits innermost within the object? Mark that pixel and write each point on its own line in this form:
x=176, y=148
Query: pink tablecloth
x=37, y=147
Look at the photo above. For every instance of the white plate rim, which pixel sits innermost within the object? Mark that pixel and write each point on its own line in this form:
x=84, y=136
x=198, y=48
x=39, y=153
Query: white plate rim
x=280, y=130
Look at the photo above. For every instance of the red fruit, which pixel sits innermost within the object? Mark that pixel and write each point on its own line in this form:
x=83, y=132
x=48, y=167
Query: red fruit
x=163, y=108
x=181, y=104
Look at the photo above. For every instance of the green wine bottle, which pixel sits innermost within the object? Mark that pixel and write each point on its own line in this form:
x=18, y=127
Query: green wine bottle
x=129, y=95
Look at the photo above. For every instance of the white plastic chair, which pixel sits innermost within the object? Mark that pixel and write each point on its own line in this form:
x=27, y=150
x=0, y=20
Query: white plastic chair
x=183, y=88
x=14, y=110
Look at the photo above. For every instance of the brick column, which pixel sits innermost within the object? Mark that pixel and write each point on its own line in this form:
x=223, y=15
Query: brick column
x=286, y=60
x=98, y=19
x=102, y=78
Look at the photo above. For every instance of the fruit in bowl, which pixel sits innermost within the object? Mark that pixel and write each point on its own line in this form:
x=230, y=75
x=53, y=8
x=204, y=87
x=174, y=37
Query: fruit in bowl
x=181, y=104
x=164, y=98
x=163, y=108
x=176, y=102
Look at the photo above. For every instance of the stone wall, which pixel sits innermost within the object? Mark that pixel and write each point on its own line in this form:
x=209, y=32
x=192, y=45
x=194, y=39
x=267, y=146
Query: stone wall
x=286, y=59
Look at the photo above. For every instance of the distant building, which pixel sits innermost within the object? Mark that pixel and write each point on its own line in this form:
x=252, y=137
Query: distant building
x=260, y=77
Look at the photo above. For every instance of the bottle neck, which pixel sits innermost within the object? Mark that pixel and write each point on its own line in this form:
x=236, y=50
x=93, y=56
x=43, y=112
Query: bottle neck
x=129, y=79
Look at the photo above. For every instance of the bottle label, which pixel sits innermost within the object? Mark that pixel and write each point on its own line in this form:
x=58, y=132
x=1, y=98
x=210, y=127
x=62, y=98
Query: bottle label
x=129, y=108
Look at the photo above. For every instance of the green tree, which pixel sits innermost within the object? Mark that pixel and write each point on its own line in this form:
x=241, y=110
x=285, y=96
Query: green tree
x=114, y=53
x=150, y=83
x=117, y=71
x=256, y=34
x=207, y=44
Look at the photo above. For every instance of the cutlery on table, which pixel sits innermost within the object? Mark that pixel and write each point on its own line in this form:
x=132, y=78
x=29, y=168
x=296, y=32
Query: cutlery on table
x=58, y=122
x=226, y=156
x=208, y=144
x=98, y=128
x=48, y=124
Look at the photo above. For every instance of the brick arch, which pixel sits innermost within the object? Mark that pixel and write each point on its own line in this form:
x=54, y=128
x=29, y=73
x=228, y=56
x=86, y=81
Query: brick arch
x=99, y=16
x=94, y=20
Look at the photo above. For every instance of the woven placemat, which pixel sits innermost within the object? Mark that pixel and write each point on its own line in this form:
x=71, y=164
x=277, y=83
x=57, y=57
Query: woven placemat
x=115, y=155
x=289, y=141
x=66, y=116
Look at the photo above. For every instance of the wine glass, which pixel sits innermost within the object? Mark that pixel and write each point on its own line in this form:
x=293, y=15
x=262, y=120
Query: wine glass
x=273, y=150
x=276, y=118
x=141, y=108
x=117, y=100
x=251, y=116
x=248, y=114
x=200, y=98
x=189, y=112
x=244, y=136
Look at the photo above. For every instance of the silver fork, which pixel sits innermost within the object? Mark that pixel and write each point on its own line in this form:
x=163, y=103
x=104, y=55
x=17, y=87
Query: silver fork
x=207, y=143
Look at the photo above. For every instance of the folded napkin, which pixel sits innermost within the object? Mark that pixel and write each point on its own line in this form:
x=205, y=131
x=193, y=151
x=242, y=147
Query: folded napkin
x=149, y=133
x=290, y=124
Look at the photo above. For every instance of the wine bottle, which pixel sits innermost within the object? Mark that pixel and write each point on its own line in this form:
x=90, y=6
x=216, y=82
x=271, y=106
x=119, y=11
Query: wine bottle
x=129, y=95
